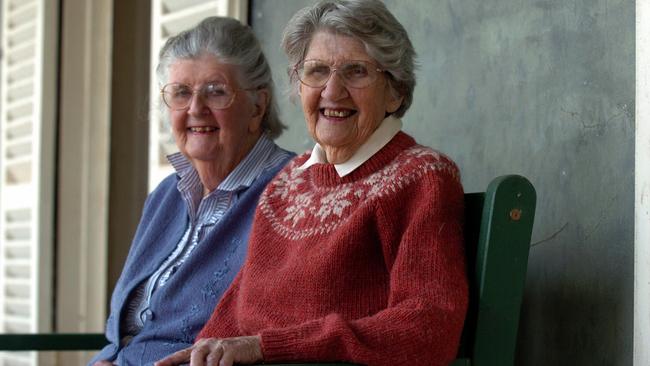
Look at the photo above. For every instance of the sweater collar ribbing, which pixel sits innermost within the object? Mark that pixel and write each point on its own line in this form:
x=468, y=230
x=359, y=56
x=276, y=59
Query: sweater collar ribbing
x=326, y=174
x=387, y=129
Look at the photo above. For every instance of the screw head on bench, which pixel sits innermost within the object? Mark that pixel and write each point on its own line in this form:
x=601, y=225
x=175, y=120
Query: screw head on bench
x=515, y=214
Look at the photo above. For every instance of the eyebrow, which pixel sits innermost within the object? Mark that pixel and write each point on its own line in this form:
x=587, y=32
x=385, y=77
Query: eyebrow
x=204, y=84
x=372, y=62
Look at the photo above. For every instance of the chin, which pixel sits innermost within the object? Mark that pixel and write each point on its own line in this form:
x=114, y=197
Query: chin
x=202, y=155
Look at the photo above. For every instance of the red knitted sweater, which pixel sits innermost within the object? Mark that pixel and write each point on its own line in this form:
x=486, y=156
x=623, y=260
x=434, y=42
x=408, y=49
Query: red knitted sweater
x=368, y=268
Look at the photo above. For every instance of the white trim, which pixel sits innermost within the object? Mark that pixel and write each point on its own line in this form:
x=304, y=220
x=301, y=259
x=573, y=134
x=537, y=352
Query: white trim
x=84, y=156
x=45, y=146
x=84, y=141
x=238, y=9
x=642, y=188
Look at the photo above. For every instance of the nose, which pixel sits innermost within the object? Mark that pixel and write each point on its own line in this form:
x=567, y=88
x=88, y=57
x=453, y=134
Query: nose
x=197, y=106
x=334, y=89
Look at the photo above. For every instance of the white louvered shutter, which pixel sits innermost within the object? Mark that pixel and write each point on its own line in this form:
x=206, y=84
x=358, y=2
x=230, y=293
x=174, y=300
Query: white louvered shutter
x=169, y=17
x=27, y=158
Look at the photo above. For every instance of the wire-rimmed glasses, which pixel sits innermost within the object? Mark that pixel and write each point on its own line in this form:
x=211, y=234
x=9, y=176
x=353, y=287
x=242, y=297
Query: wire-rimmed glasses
x=354, y=73
x=215, y=95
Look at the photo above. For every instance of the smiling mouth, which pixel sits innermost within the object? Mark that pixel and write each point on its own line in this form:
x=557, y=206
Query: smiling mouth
x=203, y=129
x=337, y=113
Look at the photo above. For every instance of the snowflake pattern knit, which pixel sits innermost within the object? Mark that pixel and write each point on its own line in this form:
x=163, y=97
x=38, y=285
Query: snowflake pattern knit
x=368, y=268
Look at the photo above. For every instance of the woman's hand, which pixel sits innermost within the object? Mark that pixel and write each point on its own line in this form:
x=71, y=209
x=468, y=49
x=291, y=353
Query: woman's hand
x=214, y=351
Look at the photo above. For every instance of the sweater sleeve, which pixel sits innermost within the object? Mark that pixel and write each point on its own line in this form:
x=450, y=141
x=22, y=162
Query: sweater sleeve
x=423, y=319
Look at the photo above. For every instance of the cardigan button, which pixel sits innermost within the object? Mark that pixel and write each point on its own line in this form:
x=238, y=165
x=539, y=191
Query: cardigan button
x=146, y=315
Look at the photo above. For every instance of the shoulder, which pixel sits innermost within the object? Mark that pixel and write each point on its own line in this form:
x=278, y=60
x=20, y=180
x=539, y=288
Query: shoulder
x=298, y=160
x=277, y=159
x=165, y=191
x=291, y=167
x=418, y=160
x=426, y=156
x=168, y=184
x=415, y=168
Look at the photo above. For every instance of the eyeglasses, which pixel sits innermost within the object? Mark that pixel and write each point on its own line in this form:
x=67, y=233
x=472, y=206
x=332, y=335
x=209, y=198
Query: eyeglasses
x=354, y=73
x=215, y=95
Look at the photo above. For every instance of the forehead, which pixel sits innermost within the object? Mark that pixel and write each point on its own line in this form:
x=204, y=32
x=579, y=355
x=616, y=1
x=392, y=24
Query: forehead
x=332, y=47
x=202, y=69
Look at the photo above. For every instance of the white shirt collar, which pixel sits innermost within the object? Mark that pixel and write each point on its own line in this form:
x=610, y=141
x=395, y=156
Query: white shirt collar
x=387, y=129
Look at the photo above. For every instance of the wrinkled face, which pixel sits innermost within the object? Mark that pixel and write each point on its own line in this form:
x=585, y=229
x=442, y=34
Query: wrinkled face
x=340, y=117
x=217, y=135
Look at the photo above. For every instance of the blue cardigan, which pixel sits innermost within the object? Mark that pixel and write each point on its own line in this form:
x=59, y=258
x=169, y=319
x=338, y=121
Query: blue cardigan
x=184, y=304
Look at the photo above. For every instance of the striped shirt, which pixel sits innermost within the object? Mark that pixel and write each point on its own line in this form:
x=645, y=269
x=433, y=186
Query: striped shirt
x=204, y=213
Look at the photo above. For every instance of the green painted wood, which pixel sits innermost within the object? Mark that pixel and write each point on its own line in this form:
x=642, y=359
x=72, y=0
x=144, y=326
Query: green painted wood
x=501, y=264
x=461, y=362
x=498, y=226
x=52, y=342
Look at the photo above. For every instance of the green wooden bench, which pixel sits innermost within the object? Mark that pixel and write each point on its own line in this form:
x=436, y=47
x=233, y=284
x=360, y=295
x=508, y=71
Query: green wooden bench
x=498, y=227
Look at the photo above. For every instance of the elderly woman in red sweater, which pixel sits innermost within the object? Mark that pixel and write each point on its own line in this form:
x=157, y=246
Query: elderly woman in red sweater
x=356, y=249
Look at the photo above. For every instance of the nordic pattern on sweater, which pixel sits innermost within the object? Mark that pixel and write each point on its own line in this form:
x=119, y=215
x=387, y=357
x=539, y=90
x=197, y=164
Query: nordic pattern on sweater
x=368, y=268
x=318, y=210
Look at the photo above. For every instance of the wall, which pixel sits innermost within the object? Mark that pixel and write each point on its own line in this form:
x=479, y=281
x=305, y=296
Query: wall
x=544, y=89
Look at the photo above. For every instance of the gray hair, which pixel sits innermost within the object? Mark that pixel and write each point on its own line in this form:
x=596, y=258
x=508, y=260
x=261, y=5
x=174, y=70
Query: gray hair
x=233, y=43
x=383, y=37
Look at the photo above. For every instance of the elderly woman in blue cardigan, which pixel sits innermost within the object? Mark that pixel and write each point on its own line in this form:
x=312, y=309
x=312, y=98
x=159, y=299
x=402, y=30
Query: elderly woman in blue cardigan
x=191, y=241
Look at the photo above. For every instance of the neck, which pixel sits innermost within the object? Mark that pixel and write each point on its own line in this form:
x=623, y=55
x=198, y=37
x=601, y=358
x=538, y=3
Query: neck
x=336, y=155
x=213, y=172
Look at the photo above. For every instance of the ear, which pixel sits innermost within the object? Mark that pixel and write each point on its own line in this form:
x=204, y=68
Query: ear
x=393, y=99
x=259, y=108
x=393, y=102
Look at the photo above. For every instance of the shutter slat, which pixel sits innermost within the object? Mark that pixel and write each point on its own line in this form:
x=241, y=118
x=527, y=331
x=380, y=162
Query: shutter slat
x=18, y=122
x=19, y=108
x=17, y=5
x=24, y=13
x=177, y=21
x=169, y=6
x=18, y=283
x=17, y=319
x=17, y=161
x=12, y=252
x=20, y=70
x=19, y=130
x=23, y=33
x=19, y=147
x=16, y=358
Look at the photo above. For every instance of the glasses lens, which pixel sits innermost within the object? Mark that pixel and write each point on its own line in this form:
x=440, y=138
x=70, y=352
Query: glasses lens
x=314, y=73
x=177, y=96
x=358, y=74
x=214, y=95
x=355, y=74
x=217, y=95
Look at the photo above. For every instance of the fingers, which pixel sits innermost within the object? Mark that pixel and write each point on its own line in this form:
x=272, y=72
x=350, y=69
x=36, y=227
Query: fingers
x=217, y=352
x=206, y=352
x=227, y=360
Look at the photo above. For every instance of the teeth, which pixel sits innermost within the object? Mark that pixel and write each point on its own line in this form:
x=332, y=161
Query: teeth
x=203, y=129
x=336, y=113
